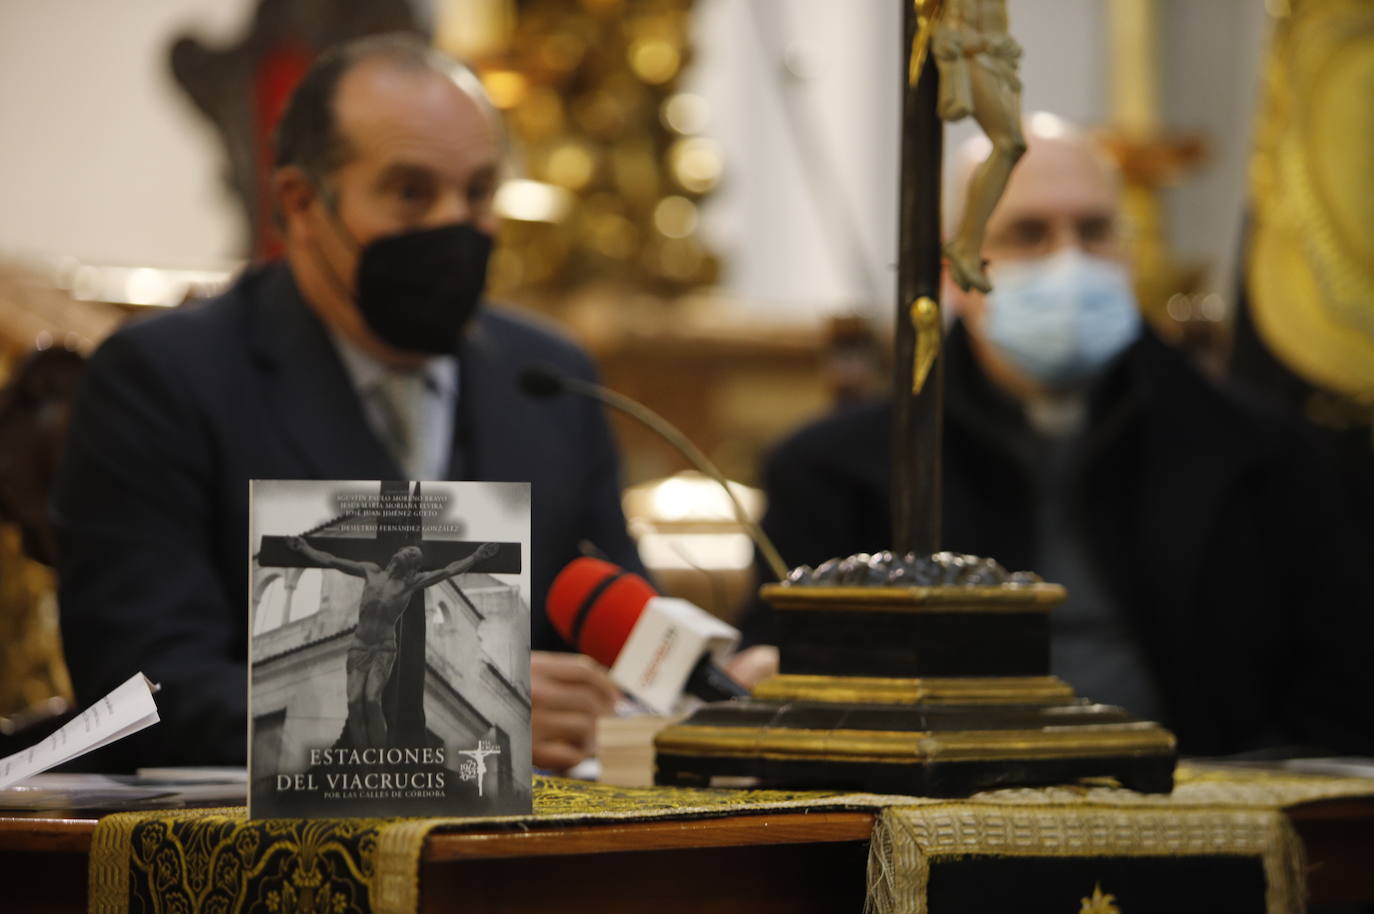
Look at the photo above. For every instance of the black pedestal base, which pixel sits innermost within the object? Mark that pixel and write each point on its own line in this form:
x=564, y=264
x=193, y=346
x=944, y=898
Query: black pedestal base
x=940, y=751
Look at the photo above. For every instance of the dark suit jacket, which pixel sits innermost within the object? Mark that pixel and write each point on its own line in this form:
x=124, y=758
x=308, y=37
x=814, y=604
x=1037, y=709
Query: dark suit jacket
x=178, y=412
x=1210, y=524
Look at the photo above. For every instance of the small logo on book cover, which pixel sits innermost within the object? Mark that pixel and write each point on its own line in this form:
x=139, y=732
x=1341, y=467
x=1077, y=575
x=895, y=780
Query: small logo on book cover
x=475, y=766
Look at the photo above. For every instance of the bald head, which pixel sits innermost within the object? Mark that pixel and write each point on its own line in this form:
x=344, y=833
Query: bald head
x=1064, y=195
x=1065, y=192
x=1063, y=168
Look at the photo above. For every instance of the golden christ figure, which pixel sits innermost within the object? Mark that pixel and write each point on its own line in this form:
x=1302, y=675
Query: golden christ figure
x=977, y=58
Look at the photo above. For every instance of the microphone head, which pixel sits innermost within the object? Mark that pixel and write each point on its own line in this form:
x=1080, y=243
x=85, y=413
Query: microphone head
x=595, y=604
x=538, y=381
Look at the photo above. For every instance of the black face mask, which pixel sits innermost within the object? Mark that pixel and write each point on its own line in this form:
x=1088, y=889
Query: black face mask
x=418, y=290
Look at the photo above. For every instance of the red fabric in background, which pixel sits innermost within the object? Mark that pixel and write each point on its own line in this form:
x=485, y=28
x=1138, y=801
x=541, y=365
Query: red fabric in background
x=278, y=75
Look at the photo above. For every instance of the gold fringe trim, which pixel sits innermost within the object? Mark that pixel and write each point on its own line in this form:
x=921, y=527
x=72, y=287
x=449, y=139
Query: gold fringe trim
x=109, y=864
x=396, y=874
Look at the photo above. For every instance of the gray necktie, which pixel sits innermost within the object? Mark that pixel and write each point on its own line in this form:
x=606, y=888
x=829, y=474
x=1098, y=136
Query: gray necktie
x=400, y=397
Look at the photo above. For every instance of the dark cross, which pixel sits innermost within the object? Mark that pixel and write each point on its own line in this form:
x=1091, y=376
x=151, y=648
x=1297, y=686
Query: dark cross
x=918, y=391
x=404, y=695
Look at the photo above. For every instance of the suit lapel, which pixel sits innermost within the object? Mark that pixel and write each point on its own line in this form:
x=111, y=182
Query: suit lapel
x=306, y=389
x=491, y=440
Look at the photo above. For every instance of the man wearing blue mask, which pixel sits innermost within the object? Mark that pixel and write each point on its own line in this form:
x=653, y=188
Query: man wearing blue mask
x=1062, y=306
x=1192, y=533
x=366, y=354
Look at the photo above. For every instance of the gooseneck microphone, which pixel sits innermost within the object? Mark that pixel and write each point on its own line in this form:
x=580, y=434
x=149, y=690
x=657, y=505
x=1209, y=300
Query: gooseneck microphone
x=542, y=381
x=656, y=647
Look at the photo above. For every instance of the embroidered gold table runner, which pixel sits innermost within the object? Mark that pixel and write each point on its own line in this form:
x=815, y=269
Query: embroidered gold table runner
x=216, y=860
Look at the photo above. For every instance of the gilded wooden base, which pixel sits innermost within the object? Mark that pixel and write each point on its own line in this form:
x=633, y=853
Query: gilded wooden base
x=928, y=750
x=949, y=690
x=976, y=708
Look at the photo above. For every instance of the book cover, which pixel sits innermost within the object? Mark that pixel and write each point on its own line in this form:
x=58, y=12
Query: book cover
x=389, y=649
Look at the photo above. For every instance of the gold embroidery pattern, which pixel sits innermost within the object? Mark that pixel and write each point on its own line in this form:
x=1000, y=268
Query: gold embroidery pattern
x=218, y=862
x=1099, y=903
x=559, y=797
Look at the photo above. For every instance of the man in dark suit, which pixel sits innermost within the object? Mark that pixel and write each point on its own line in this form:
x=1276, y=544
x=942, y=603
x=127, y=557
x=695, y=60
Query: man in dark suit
x=1212, y=584
x=364, y=355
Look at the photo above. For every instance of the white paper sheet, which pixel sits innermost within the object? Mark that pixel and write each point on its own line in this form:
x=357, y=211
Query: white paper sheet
x=127, y=709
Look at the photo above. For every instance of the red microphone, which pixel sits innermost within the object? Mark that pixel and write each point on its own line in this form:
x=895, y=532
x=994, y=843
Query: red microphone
x=656, y=647
x=595, y=604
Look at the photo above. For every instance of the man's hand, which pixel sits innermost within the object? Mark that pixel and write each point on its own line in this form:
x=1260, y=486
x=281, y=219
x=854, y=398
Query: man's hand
x=295, y=543
x=753, y=665
x=569, y=692
x=487, y=550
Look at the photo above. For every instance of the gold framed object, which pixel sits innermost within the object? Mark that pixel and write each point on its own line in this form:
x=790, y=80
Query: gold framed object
x=1310, y=265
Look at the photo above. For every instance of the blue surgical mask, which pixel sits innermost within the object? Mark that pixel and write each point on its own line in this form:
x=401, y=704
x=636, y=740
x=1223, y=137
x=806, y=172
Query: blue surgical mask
x=1061, y=319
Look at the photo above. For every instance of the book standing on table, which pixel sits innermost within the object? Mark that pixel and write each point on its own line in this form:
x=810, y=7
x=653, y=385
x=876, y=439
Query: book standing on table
x=389, y=658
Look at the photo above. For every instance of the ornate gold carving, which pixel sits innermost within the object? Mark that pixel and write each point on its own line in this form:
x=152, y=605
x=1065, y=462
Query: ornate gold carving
x=925, y=319
x=33, y=677
x=1311, y=258
x=591, y=93
x=1139, y=738
x=1028, y=598
x=1002, y=690
x=1151, y=158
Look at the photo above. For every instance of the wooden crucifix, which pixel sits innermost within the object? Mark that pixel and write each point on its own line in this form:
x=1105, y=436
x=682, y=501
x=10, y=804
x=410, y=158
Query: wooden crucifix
x=397, y=550
x=967, y=44
x=918, y=385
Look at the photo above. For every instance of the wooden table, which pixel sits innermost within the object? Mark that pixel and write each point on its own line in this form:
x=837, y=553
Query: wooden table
x=783, y=862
